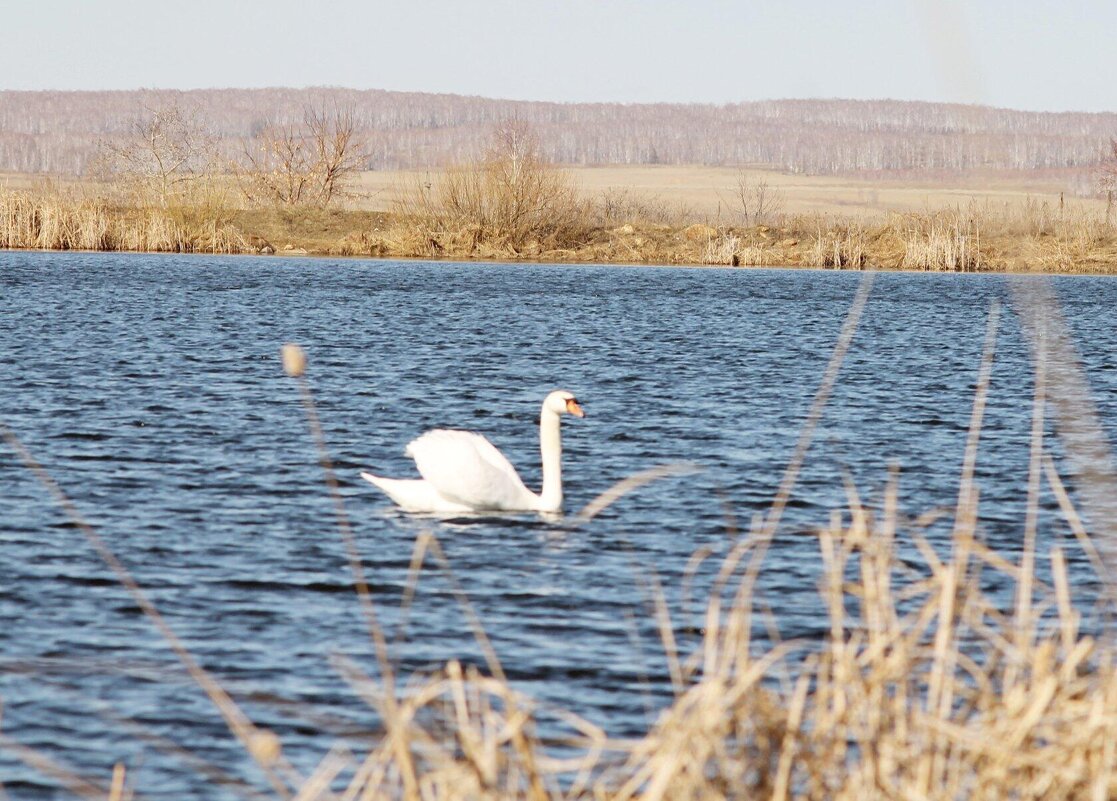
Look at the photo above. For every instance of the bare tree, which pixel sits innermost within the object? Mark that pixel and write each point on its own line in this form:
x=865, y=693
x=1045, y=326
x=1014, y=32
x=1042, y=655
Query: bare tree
x=525, y=192
x=1107, y=179
x=757, y=202
x=163, y=155
x=277, y=167
x=336, y=153
x=53, y=131
x=308, y=164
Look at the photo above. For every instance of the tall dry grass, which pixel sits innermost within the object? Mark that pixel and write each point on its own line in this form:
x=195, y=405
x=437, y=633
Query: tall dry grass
x=838, y=244
x=74, y=220
x=926, y=686
x=946, y=241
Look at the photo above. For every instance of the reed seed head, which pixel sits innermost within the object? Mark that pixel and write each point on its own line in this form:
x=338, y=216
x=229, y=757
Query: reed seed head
x=294, y=360
x=265, y=747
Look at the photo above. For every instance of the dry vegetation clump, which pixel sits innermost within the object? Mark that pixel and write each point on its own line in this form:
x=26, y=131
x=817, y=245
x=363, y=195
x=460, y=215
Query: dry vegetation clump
x=924, y=688
x=71, y=220
x=945, y=241
x=1029, y=237
x=615, y=208
x=723, y=248
x=307, y=165
x=56, y=221
x=838, y=244
x=511, y=202
x=756, y=256
x=1056, y=240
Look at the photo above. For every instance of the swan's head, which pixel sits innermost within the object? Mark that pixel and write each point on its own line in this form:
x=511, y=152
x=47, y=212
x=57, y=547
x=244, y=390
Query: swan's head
x=562, y=402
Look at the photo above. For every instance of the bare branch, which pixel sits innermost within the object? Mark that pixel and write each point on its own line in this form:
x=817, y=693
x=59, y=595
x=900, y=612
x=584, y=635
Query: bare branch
x=511, y=198
x=757, y=202
x=309, y=164
x=162, y=155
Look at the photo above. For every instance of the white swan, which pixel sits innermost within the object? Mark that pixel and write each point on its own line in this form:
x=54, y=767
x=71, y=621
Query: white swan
x=463, y=472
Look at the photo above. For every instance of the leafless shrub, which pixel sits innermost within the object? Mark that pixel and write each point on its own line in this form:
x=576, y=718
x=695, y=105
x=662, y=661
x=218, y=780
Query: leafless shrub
x=620, y=206
x=308, y=164
x=511, y=199
x=756, y=202
x=1107, y=180
x=168, y=159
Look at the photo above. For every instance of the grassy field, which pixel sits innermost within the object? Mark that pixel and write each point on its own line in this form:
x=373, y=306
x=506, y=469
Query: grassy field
x=707, y=192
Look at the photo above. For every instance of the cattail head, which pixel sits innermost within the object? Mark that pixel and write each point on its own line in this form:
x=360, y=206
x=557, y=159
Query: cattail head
x=265, y=747
x=294, y=360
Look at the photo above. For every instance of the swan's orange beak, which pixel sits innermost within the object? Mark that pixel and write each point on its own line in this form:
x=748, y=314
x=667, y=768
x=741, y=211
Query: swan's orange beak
x=574, y=409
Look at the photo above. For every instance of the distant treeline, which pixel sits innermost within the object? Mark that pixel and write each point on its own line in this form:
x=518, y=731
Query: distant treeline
x=62, y=132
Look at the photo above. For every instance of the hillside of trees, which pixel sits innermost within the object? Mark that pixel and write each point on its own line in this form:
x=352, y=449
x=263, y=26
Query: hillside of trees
x=62, y=132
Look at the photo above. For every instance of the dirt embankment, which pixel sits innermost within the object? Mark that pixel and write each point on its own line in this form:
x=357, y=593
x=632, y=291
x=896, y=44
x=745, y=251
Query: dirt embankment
x=1036, y=239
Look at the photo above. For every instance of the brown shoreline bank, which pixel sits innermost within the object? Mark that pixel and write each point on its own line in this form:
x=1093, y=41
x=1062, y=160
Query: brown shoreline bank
x=1035, y=239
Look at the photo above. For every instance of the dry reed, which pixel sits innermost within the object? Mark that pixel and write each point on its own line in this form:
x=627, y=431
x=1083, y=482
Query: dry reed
x=840, y=245
x=947, y=241
x=73, y=220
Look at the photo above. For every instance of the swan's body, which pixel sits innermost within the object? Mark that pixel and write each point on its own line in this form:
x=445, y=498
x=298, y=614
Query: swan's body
x=463, y=472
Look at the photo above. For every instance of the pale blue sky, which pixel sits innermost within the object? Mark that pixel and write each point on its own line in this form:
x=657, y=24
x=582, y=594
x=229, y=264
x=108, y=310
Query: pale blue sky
x=1030, y=54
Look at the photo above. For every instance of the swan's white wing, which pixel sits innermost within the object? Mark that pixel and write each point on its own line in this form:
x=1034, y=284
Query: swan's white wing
x=465, y=468
x=414, y=494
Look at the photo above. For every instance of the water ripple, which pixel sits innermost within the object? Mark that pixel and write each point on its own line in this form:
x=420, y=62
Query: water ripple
x=150, y=387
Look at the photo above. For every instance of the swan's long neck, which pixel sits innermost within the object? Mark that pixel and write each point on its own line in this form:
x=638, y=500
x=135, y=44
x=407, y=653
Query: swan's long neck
x=550, y=444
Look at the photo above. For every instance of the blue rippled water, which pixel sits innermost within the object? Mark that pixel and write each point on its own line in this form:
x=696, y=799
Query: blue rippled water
x=150, y=387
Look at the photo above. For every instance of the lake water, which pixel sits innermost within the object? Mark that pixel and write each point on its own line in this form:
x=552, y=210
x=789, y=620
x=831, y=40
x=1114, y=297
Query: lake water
x=150, y=387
